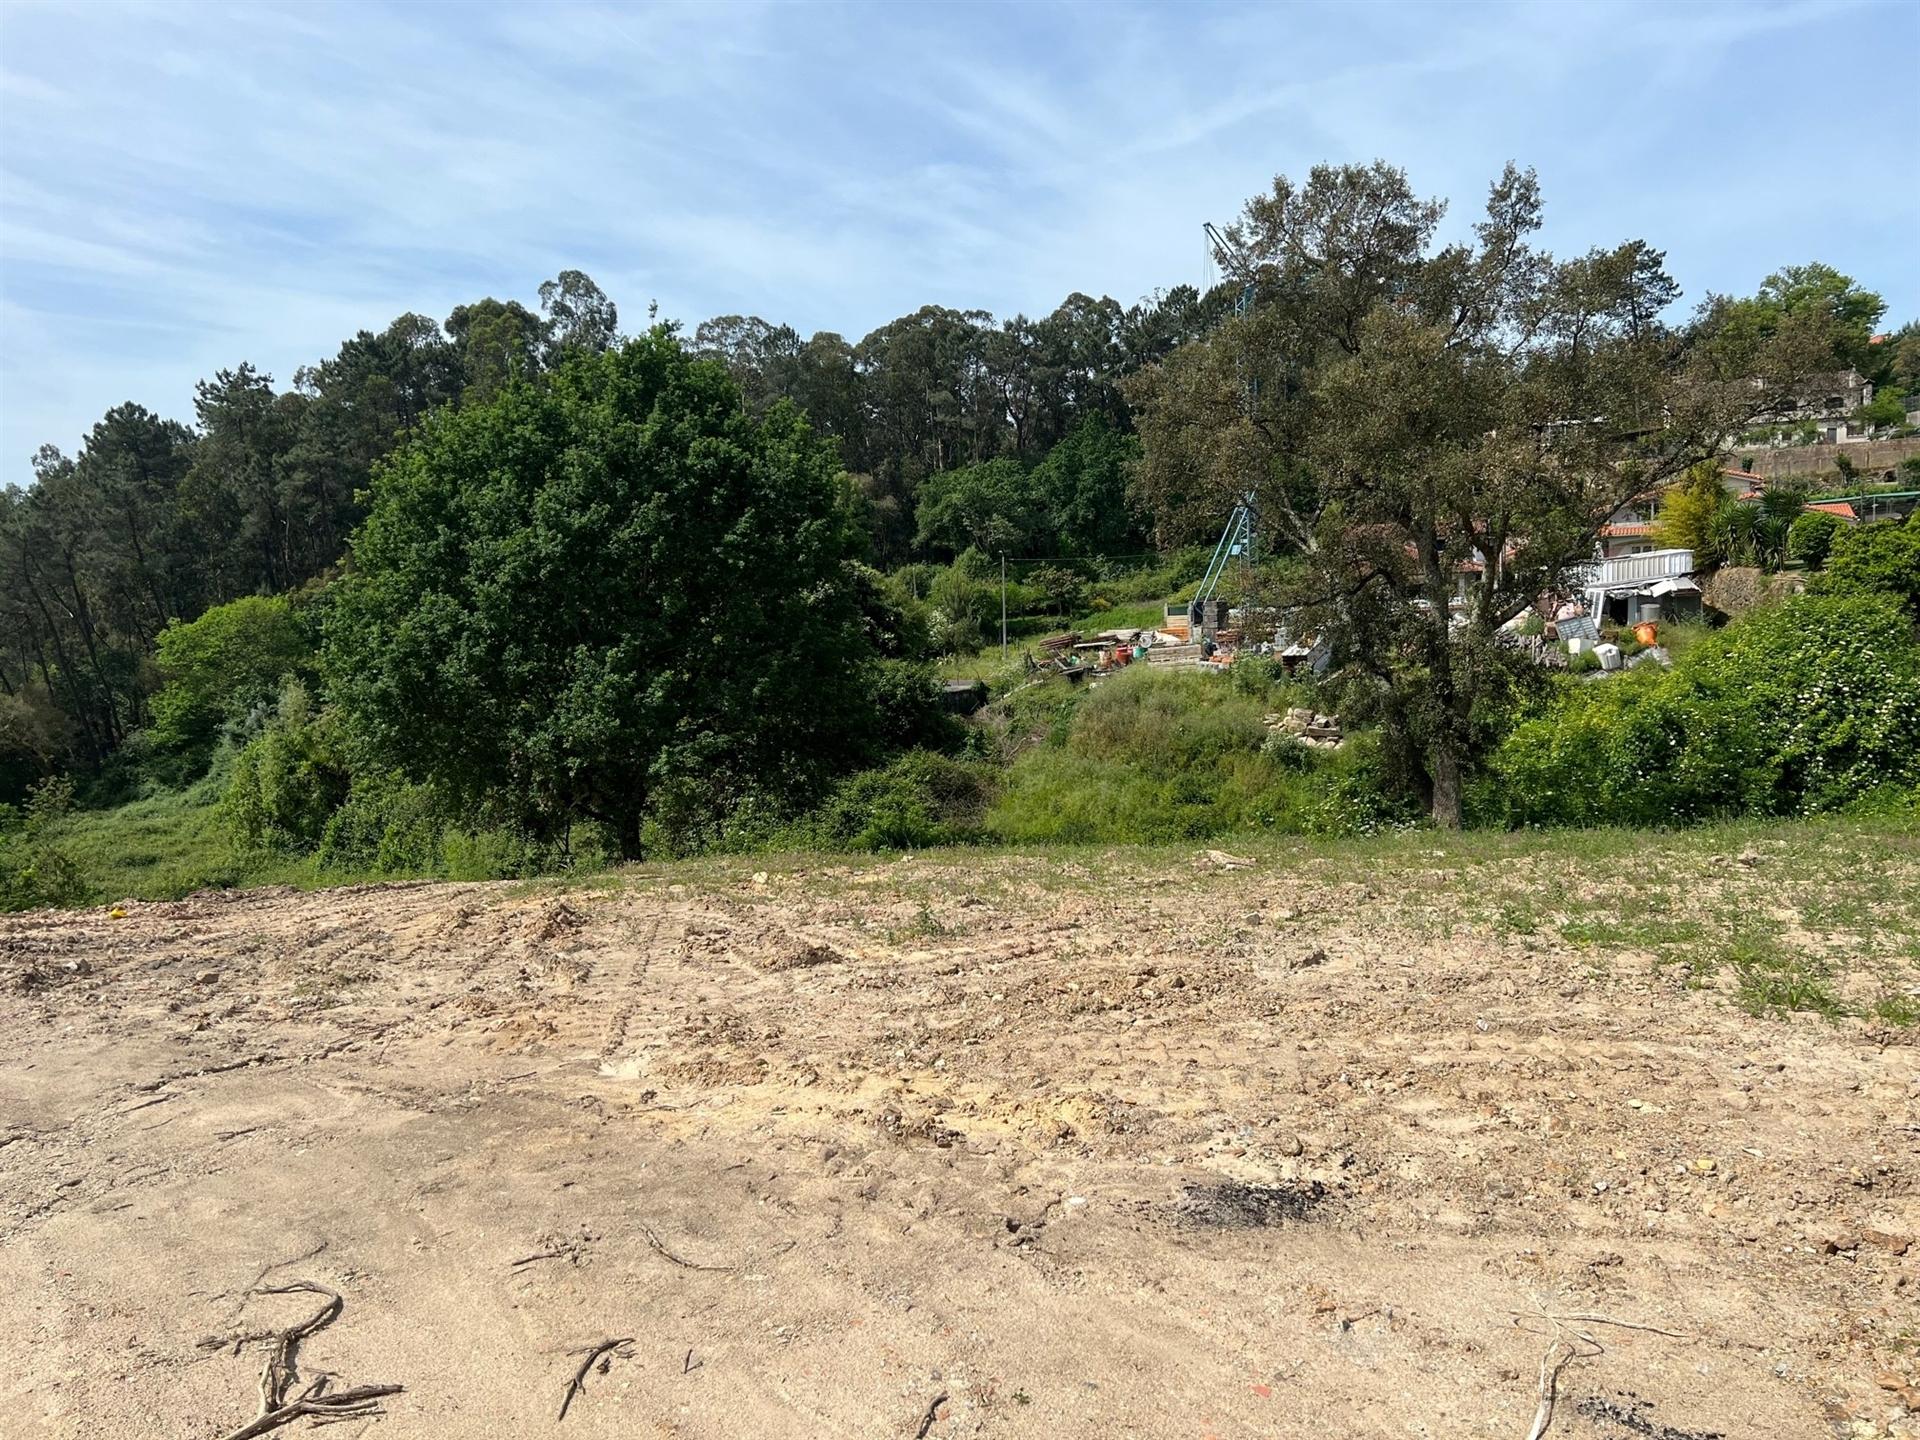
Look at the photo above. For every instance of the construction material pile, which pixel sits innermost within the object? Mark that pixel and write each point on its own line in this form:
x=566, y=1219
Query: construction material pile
x=1320, y=731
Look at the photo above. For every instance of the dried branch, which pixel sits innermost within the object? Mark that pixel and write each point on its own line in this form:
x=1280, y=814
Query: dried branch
x=282, y=1372
x=578, y=1384
x=933, y=1413
x=655, y=1241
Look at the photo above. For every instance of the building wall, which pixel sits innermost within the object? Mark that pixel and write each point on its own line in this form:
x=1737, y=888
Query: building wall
x=1870, y=457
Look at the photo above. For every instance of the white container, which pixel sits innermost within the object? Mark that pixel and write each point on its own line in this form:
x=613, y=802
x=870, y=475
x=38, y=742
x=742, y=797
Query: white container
x=1608, y=655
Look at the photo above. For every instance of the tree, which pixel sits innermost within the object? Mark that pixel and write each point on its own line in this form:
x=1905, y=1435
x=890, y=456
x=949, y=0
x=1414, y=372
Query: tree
x=1883, y=411
x=993, y=507
x=1687, y=508
x=1083, y=483
x=604, y=595
x=1440, y=432
x=230, y=660
x=1063, y=587
x=579, y=315
x=1820, y=292
x=497, y=342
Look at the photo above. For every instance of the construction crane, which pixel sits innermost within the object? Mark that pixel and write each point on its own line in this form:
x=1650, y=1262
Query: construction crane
x=1237, y=538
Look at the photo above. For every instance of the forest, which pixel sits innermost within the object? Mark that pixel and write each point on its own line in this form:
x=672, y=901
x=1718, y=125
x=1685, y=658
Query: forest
x=518, y=588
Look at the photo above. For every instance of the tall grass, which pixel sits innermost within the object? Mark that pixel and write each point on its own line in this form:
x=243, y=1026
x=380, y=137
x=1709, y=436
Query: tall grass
x=1157, y=757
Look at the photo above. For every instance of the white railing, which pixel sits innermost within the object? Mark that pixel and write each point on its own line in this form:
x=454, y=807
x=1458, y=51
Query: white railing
x=1625, y=571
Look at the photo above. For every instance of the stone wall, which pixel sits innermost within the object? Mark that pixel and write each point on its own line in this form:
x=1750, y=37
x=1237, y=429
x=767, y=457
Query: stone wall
x=1872, y=458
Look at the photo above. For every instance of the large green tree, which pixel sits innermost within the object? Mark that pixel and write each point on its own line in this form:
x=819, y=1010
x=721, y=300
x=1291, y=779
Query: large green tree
x=1440, y=431
x=603, y=592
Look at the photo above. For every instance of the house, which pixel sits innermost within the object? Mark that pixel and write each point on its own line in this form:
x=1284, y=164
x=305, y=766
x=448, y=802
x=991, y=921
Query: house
x=1825, y=403
x=1629, y=530
x=1833, y=507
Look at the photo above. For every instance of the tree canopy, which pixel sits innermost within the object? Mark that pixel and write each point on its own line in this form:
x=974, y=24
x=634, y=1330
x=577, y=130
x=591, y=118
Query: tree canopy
x=1440, y=431
x=575, y=596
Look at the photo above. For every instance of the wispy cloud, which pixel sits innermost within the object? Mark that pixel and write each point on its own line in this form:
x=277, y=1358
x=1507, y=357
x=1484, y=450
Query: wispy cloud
x=184, y=187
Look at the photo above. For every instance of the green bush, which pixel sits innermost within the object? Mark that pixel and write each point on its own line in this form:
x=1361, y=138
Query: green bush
x=1161, y=758
x=1879, y=559
x=1810, y=538
x=919, y=800
x=221, y=666
x=290, y=779
x=496, y=853
x=385, y=825
x=910, y=713
x=35, y=868
x=1807, y=706
x=960, y=608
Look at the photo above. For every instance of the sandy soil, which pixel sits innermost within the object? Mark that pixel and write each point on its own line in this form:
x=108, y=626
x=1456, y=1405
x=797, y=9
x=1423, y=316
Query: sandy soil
x=1004, y=1147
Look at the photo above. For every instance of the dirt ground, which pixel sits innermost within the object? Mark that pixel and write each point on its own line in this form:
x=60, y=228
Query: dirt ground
x=940, y=1146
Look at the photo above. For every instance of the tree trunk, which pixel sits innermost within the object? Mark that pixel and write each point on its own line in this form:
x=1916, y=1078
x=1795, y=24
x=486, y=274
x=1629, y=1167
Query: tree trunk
x=1446, y=786
x=628, y=830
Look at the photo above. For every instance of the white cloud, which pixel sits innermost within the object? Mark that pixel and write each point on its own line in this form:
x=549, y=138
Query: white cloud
x=183, y=187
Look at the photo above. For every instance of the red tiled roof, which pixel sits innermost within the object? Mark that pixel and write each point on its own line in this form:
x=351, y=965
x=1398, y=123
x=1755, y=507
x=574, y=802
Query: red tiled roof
x=1833, y=507
x=1640, y=527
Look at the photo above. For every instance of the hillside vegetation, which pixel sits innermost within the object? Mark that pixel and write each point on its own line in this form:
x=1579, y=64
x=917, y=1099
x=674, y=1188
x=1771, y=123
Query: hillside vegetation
x=519, y=594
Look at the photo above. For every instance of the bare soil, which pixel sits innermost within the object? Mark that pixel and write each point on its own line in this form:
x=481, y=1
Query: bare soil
x=942, y=1146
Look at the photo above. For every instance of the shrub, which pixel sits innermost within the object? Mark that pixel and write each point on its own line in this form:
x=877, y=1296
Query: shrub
x=1806, y=706
x=1810, y=538
x=959, y=608
x=35, y=869
x=919, y=800
x=385, y=825
x=1255, y=676
x=1161, y=758
x=290, y=778
x=229, y=661
x=1879, y=559
x=909, y=712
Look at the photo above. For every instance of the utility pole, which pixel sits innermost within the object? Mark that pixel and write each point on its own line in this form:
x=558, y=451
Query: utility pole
x=1003, y=607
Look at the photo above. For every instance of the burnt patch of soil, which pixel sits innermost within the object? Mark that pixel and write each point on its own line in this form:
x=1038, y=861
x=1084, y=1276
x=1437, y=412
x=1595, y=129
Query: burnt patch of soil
x=1631, y=1415
x=1234, y=1205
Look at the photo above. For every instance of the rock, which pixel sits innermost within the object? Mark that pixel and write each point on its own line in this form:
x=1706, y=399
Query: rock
x=1291, y=1145
x=1221, y=860
x=1311, y=958
x=206, y=977
x=1833, y=1240
x=1887, y=1240
x=1749, y=858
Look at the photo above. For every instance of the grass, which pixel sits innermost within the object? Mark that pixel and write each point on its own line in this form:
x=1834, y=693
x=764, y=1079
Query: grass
x=1684, y=898
x=1146, y=615
x=169, y=845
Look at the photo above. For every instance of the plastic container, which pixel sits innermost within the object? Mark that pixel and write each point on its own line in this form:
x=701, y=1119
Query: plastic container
x=1647, y=632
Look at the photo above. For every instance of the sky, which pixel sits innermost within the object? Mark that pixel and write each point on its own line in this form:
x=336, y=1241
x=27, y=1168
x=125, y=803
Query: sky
x=185, y=186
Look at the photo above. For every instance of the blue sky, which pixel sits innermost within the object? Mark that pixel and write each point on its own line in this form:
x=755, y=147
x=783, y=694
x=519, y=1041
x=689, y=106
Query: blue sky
x=186, y=186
